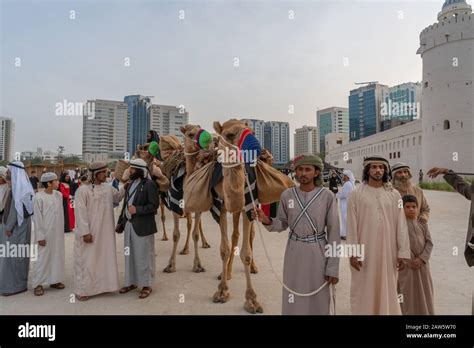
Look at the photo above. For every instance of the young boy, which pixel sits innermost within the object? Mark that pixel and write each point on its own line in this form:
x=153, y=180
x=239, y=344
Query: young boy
x=414, y=281
x=49, y=234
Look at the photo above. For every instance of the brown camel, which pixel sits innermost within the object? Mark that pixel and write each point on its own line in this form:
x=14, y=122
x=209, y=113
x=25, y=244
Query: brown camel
x=267, y=157
x=231, y=191
x=163, y=219
x=191, y=153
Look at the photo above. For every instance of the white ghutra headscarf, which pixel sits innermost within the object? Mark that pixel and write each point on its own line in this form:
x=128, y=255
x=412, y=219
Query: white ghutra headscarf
x=350, y=175
x=22, y=191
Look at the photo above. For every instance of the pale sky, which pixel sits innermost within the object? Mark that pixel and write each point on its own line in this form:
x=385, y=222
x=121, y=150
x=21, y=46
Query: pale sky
x=190, y=61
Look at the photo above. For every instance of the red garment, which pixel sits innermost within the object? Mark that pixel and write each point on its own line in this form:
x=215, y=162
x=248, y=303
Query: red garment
x=66, y=192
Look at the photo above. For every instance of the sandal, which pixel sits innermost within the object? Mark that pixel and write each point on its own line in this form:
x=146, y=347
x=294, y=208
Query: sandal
x=39, y=291
x=82, y=298
x=145, y=293
x=59, y=286
x=126, y=289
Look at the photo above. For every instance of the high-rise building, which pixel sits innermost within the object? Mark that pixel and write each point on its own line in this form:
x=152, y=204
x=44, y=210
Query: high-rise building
x=364, y=110
x=104, y=136
x=447, y=52
x=306, y=141
x=167, y=119
x=258, y=127
x=6, y=139
x=443, y=135
x=138, y=120
x=277, y=141
x=400, y=104
x=331, y=120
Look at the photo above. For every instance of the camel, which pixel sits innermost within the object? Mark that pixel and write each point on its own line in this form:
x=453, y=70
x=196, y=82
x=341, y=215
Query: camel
x=142, y=152
x=231, y=190
x=267, y=157
x=191, y=153
x=163, y=220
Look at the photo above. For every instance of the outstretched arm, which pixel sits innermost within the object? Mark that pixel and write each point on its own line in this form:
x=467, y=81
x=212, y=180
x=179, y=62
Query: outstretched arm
x=459, y=184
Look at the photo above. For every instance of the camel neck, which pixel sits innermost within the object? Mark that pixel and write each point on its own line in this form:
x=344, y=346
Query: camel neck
x=190, y=163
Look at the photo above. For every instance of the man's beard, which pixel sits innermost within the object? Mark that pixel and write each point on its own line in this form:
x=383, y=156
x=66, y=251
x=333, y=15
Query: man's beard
x=136, y=175
x=401, y=183
x=376, y=179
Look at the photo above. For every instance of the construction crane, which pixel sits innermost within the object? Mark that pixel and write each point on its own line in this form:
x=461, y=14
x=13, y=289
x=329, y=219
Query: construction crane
x=366, y=83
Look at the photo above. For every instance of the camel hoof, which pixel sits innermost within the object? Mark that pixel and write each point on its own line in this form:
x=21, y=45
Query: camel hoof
x=198, y=269
x=170, y=269
x=184, y=252
x=253, y=307
x=253, y=269
x=221, y=296
x=206, y=246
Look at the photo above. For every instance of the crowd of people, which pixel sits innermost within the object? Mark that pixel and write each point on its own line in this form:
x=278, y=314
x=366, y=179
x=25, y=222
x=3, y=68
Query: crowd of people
x=386, y=214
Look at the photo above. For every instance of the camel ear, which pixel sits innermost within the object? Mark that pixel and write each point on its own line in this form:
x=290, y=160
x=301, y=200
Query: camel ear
x=182, y=129
x=217, y=127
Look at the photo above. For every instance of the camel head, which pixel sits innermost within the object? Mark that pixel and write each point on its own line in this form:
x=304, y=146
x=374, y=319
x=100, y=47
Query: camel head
x=189, y=131
x=234, y=175
x=230, y=130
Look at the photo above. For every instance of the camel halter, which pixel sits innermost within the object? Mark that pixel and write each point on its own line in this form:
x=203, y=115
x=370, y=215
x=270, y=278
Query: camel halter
x=332, y=289
x=236, y=148
x=190, y=153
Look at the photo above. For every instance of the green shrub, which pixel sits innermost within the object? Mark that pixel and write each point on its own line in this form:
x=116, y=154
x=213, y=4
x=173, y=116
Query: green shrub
x=437, y=186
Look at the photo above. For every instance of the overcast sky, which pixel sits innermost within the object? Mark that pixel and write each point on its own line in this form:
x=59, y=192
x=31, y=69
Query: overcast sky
x=190, y=61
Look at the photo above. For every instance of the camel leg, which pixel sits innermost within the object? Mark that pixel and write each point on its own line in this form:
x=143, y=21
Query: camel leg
x=189, y=225
x=197, y=262
x=251, y=304
x=253, y=266
x=205, y=244
x=176, y=234
x=235, y=242
x=222, y=294
x=163, y=219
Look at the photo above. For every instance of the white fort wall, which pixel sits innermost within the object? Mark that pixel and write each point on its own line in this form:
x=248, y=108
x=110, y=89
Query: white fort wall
x=402, y=143
x=447, y=50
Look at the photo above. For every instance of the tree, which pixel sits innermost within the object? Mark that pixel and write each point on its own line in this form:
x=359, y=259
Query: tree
x=36, y=161
x=71, y=159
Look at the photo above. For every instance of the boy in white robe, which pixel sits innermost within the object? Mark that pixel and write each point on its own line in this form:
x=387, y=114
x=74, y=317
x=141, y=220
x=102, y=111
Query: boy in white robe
x=48, y=269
